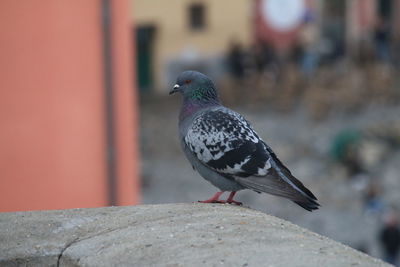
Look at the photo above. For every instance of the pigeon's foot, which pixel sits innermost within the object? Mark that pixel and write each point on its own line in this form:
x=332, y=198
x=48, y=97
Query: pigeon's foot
x=215, y=199
x=231, y=201
x=222, y=202
x=212, y=201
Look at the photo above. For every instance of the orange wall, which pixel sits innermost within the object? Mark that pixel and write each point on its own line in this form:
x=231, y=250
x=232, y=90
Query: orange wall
x=52, y=118
x=125, y=105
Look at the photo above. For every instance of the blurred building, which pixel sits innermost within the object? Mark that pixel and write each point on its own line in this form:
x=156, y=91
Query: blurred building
x=67, y=105
x=343, y=25
x=364, y=16
x=180, y=34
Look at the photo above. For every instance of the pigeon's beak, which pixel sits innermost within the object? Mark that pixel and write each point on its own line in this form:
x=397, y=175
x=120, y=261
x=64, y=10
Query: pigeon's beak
x=175, y=89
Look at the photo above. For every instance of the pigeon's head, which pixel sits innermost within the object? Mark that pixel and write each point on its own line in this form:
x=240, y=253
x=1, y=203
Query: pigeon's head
x=195, y=86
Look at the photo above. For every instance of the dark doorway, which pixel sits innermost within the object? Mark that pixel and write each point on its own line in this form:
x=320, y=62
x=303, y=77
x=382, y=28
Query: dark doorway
x=385, y=9
x=144, y=56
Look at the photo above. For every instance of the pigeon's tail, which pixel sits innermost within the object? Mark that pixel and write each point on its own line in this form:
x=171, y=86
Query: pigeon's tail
x=307, y=200
x=280, y=182
x=310, y=205
x=279, y=187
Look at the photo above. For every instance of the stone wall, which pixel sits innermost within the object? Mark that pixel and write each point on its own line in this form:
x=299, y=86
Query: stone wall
x=166, y=235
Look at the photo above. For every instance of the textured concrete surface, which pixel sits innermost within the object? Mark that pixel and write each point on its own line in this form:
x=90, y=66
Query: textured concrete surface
x=166, y=235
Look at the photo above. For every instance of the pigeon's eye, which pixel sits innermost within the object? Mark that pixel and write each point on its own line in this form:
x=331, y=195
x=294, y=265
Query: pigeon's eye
x=188, y=81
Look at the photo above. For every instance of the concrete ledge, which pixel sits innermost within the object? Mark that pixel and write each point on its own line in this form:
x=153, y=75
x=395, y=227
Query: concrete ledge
x=166, y=235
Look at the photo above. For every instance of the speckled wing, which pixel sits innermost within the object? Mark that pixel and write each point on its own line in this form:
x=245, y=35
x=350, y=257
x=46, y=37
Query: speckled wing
x=225, y=142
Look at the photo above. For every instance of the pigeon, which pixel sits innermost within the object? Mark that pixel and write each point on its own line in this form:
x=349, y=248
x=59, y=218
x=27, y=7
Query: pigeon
x=223, y=148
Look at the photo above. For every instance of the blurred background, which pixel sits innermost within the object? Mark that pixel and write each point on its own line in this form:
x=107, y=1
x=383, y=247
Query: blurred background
x=86, y=119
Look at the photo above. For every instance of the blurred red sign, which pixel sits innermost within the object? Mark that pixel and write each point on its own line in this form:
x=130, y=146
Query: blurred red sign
x=277, y=21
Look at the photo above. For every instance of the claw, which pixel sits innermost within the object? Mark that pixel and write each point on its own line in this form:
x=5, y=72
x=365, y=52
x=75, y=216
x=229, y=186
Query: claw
x=235, y=202
x=212, y=201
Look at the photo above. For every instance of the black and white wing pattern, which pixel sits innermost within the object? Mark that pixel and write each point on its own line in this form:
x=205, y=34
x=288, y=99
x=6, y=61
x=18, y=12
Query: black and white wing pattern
x=225, y=142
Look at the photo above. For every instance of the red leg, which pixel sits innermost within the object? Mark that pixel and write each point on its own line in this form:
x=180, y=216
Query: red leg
x=231, y=201
x=214, y=199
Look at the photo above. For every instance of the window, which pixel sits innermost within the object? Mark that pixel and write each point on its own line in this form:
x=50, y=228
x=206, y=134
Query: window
x=196, y=17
